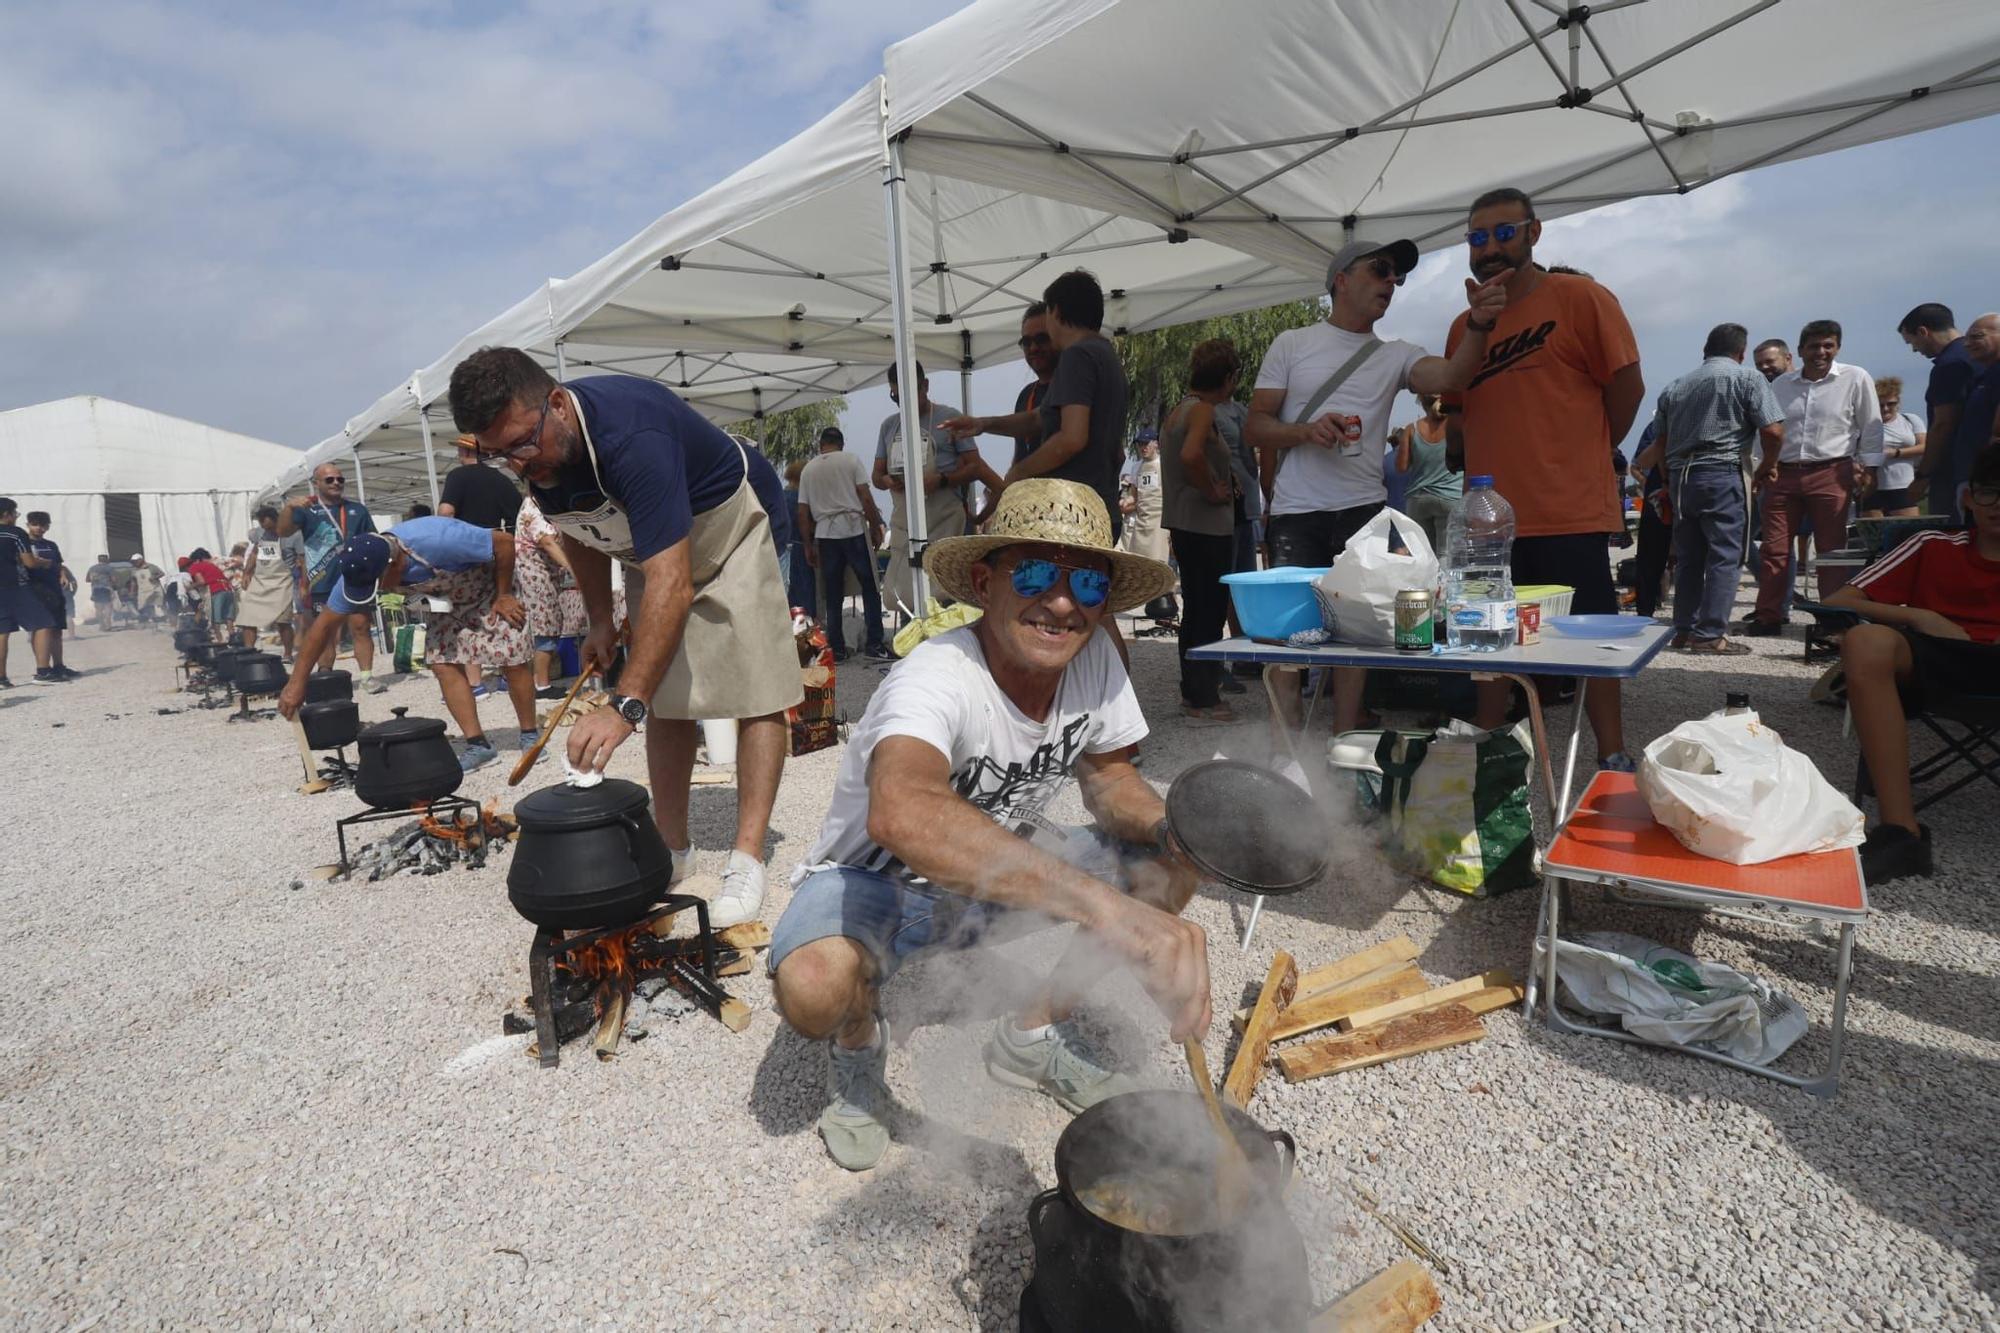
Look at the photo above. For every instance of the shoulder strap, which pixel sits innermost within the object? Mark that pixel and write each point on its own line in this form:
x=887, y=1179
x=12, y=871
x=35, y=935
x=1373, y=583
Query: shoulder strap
x=1325, y=391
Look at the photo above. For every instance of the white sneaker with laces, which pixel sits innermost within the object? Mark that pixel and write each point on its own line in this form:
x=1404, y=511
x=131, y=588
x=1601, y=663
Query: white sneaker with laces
x=741, y=898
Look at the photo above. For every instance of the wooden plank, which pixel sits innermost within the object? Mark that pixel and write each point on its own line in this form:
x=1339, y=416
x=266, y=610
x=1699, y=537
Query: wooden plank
x=1481, y=994
x=1396, y=1300
x=1399, y=981
x=1412, y=1034
x=1280, y=984
x=1333, y=975
x=736, y=1015
x=746, y=935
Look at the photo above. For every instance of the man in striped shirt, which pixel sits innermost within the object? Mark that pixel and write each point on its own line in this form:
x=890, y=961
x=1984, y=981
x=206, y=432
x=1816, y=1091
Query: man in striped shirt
x=1933, y=605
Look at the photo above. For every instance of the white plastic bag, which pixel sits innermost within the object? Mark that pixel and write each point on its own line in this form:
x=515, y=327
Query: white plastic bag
x=1729, y=787
x=1357, y=596
x=1670, y=999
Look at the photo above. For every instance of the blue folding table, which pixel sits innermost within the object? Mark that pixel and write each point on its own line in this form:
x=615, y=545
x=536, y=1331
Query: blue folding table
x=1557, y=654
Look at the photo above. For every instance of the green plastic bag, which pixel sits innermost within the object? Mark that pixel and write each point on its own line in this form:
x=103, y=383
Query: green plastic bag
x=1457, y=807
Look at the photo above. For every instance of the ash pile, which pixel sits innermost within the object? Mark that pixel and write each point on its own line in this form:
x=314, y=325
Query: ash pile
x=431, y=845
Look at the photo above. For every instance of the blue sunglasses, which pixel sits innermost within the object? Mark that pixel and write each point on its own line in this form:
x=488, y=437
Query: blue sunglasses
x=1503, y=233
x=1034, y=576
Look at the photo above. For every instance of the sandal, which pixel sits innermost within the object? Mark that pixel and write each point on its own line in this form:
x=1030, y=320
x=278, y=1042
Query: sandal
x=1218, y=713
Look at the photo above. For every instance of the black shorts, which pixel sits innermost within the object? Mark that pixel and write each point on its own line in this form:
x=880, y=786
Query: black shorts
x=22, y=612
x=1885, y=500
x=53, y=599
x=1312, y=540
x=1948, y=668
x=1579, y=560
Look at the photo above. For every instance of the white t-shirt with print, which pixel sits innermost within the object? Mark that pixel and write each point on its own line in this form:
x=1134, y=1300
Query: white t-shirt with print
x=1312, y=479
x=1006, y=763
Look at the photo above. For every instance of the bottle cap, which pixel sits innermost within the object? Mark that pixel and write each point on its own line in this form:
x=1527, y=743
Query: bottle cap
x=1735, y=699
x=1483, y=479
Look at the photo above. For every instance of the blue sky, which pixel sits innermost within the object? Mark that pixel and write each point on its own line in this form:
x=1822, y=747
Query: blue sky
x=263, y=217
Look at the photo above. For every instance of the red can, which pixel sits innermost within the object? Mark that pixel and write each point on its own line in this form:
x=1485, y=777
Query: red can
x=1528, y=623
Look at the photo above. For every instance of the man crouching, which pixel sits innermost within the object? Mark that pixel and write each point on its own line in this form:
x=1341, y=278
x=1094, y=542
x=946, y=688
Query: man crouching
x=937, y=832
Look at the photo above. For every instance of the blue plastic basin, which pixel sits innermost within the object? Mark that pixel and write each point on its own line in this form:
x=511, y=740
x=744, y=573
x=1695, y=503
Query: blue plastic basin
x=1276, y=603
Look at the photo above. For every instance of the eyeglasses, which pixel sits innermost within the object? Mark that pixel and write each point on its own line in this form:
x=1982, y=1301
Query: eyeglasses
x=1034, y=576
x=1034, y=340
x=525, y=447
x=1503, y=233
x=333, y=481
x=1384, y=270
x=1979, y=495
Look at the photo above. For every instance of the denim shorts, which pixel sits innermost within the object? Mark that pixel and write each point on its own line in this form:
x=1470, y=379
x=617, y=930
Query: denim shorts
x=548, y=643
x=892, y=919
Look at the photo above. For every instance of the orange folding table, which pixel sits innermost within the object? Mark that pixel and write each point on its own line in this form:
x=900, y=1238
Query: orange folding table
x=1612, y=840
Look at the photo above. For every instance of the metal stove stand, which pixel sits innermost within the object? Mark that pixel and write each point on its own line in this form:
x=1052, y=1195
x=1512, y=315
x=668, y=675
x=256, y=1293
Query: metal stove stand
x=445, y=810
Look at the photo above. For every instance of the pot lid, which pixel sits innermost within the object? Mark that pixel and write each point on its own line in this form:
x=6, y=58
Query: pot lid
x=1247, y=826
x=256, y=658
x=325, y=706
x=330, y=675
x=401, y=728
x=565, y=807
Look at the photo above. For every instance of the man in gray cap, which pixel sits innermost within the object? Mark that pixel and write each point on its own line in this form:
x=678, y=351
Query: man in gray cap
x=1319, y=415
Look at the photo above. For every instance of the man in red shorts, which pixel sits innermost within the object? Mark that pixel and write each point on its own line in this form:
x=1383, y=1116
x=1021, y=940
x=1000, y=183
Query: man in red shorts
x=1934, y=608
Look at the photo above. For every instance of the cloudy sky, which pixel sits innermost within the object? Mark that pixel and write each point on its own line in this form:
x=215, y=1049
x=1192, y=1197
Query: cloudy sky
x=263, y=216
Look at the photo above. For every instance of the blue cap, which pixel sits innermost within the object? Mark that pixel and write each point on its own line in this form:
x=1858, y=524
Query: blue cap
x=1145, y=434
x=1483, y=479
x=361, y=561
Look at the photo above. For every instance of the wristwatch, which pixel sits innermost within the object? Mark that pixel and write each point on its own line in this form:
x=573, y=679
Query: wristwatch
x=631, y=709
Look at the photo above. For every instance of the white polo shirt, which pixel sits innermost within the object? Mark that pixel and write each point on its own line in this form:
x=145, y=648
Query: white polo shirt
x=1830, y=418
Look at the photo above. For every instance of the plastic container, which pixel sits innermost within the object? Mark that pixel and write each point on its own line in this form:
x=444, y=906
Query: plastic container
x=720, y=738
x=1477, y=569
x=1554, y=597
x=1276, y=603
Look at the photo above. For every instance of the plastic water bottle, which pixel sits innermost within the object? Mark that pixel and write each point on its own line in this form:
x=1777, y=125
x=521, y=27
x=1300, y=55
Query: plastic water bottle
x=1478, y=570
x=1735, y=701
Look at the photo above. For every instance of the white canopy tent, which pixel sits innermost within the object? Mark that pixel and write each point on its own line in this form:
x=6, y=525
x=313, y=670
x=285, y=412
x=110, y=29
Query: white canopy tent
x=1200, y=159
x=166, y=485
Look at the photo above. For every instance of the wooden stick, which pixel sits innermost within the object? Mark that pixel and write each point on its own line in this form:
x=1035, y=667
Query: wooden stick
x=1396, y=1300
x=314, y=783
x=1412, y=1034
x=1232, y=1168
x=1398, y=981
x=745, y=935
x=527, y=761
x=1280, y=983
x=611, y=1024
x=736, y=967
x=1481, y=994
x=735, y=1015
x=1336, y=974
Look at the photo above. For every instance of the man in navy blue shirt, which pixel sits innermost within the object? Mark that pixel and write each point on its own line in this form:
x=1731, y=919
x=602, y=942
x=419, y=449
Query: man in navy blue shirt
x=20, y=608
x=1931, y=330
x=54, y=584
x=627, y=471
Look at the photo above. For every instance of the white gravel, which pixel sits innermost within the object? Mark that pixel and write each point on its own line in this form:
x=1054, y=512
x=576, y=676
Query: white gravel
x=233, y=1103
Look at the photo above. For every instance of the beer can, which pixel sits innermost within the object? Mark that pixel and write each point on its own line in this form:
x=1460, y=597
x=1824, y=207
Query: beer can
x=1528, y=623
x=1415, y=625
x=1350, y=436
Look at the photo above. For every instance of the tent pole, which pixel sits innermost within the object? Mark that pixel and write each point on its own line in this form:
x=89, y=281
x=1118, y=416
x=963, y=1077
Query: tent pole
x=562, y=364
x=915, y=464
x=430, y=461
x=360, y=481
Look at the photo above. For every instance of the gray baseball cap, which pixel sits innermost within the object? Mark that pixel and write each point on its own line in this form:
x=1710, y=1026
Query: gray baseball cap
x=1403, y=254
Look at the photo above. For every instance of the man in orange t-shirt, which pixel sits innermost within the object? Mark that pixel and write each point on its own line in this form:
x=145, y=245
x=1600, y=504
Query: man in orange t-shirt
x=1560, y=385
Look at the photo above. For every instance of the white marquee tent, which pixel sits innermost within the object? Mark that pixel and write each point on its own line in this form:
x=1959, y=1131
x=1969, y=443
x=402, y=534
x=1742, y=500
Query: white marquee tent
x=106, y=470
x=1200, y=158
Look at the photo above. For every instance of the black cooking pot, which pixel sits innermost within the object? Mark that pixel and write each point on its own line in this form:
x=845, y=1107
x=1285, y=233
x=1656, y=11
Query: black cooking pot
x=587, y=856
x=225, y=659
x=404, y=762
x=203, y=653
x=328, y=686
x=1091, y=1273
x=187, y=640
x=330, y=724
x=259, y=674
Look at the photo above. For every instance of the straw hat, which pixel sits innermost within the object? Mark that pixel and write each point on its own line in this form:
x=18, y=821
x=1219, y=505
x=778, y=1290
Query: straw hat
x=1056, y=513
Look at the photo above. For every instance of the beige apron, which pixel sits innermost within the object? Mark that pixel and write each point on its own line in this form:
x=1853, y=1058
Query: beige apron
x=267, y=602
x=1144, y=533
x=944, y=512
x=737, y=658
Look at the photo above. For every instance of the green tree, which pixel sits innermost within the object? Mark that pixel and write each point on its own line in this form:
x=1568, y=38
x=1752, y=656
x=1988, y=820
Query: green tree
x=793, y=433
x=1156, y=362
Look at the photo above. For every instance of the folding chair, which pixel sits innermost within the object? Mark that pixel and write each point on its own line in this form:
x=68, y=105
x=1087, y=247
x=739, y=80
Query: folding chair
x=1969, y=727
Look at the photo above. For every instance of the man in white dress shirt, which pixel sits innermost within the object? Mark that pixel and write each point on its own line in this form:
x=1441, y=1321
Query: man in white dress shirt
x=1832, y=425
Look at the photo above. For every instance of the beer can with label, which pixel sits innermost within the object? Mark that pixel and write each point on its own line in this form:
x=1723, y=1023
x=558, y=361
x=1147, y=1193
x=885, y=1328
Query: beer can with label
x=1415, y=625
x=1350, y=436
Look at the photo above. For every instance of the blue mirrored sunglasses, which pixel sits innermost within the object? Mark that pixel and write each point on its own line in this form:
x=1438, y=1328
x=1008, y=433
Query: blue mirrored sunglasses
x=1033, y=577
x=1503, y=233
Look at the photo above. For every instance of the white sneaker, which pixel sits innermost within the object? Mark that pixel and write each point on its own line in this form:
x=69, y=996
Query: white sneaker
x=683, y=864
x=742, y=895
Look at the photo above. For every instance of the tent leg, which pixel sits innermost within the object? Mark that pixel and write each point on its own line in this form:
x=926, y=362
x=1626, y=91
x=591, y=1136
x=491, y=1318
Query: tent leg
x=915, y=459
x=430, y=459
x=361, y=490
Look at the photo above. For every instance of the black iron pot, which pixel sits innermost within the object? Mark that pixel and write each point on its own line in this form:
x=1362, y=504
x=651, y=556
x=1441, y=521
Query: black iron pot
x=330, y=724
x=587, y=856
x=404, y=762
x=1091, y=1273
x=187, y=640
x=203, y=653
x=329, y=686
x=225, y=659
x=259, y=674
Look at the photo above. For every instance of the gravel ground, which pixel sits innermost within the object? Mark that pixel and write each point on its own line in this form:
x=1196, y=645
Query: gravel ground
x=240, y=1103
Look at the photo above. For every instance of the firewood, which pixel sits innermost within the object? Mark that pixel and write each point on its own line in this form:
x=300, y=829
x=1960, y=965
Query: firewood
x=1412, y=1034
x=736, y=966
x=745, y=935
x=1280, y=983
x=711, y=779
x=1332, y=975
x=1398, y=981
x=611, y=1024
x=735, y=1015
x=1481, y=994
x=1396, y=1300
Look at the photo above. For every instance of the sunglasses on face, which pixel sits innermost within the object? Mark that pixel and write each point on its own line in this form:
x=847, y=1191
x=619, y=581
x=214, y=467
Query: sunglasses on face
x=1034, y=577
x=1034, y=340
x=333, y=481
x=1503, y=233
x=1384, y=270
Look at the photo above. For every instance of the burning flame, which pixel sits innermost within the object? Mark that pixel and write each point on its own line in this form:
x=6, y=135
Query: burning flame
x=607, y=960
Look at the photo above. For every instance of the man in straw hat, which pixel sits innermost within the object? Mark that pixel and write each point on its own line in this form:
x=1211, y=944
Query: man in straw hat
x=937, y=833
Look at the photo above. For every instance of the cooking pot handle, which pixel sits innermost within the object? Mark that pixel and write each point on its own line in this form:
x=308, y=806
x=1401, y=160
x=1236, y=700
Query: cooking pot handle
x=1288, y=1153
x=633, y=829
x=1036, y=1207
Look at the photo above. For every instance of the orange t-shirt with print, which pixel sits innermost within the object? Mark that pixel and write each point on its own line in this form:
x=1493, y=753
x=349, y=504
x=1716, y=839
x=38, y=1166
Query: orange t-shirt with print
x=1533, y=417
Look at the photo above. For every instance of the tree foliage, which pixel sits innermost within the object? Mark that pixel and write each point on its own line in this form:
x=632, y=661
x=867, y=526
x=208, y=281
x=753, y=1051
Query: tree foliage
x=793, y=433
x=1156, y=362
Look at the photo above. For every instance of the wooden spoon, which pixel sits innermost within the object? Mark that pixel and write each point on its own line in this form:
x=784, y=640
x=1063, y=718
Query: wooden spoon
x=1232, y=1168
x=527, y=761
x=314, y=783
